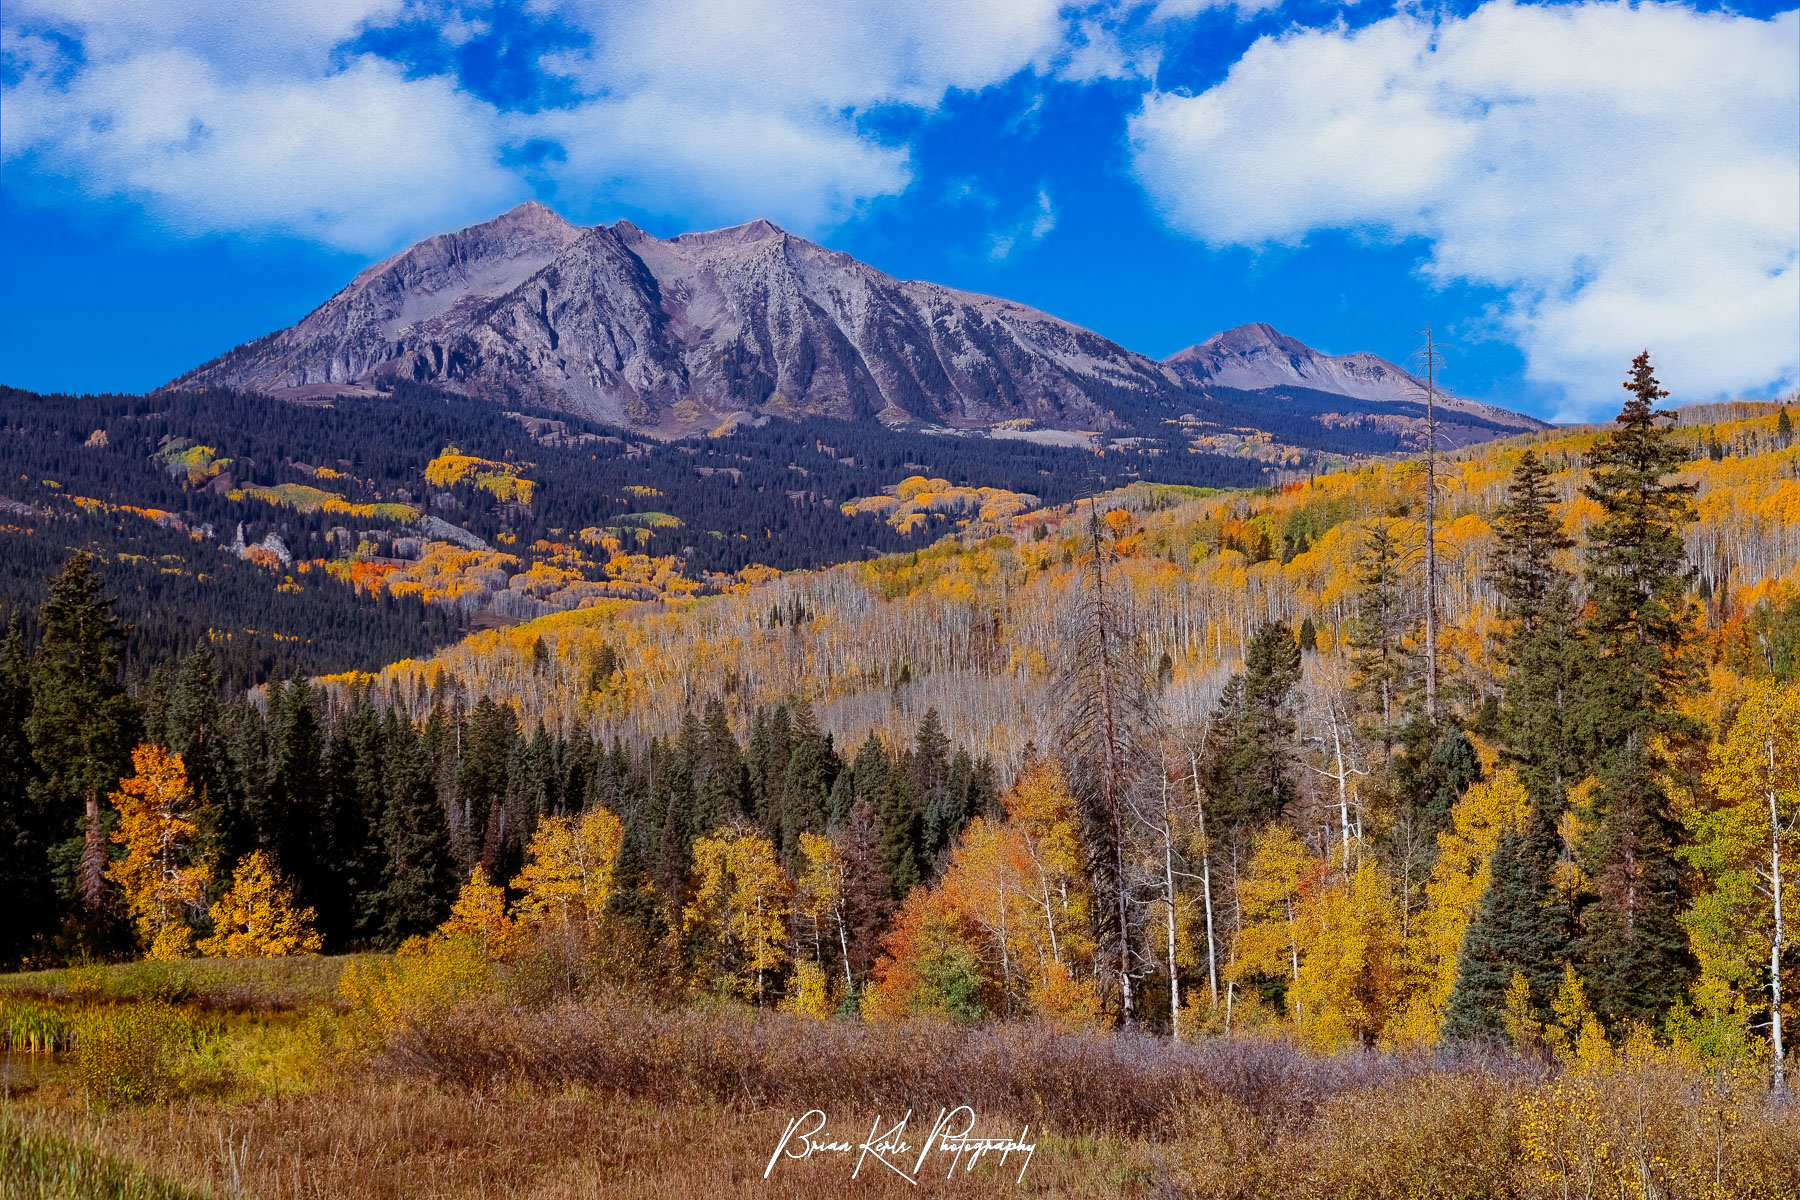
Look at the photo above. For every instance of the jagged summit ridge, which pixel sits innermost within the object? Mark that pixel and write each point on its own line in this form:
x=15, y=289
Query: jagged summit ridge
x=674, y=334
x=615, y=323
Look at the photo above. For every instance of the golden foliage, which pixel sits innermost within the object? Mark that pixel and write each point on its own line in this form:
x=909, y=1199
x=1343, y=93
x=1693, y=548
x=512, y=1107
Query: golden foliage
x=480, y=916
x=159, y=874
x=739, y=912
x=257, y=918
x=1453, y=894
x=569, y=869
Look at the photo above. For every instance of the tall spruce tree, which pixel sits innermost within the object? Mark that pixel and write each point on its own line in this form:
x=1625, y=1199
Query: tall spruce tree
x=1634, y=955
x=81, y=729
x=296, y=821
x=721, y=785
x=419, y=878
x=194, y=727
x=1633, y=670
x=806, y=784
x=1521, y=926
x=1384, y=665
x=1634, y=667
x=24, y=832
x=1249, y=767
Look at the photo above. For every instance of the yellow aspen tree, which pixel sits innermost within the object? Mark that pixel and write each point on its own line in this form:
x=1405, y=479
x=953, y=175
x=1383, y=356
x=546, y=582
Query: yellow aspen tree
x=160, y=876
x=479, y=915
x=819, y=899
x=1453, y=894
x=1282, y=872
x=739, y=914
x=983, y=887
x=1350, y=960
x=810, y=993
x=257, y=918
x=1041, y=808
x=1748, y=849
x=568, y=871
x=1574, y=1032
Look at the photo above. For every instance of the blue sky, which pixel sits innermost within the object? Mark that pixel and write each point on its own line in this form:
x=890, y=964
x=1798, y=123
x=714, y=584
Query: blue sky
x=1552, y=187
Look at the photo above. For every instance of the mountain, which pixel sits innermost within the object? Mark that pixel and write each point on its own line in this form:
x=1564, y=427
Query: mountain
x=1259, y=358
x=688, y=333
x=614, y=324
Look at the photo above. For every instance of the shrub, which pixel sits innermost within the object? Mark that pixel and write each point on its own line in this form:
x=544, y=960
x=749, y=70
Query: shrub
x=127, y=1055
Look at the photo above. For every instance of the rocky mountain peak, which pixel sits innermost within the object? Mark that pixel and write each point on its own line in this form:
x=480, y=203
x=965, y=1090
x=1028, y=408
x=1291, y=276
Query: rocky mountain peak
x=681, y=333
x=750, y=232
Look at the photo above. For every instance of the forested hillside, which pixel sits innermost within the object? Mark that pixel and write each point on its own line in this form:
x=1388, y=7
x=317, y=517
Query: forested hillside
x=346, y=534
x=1170, y=758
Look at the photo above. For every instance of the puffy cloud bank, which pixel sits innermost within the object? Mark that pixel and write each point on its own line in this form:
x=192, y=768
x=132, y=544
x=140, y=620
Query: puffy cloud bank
x=221, y=115
x=1627, y=176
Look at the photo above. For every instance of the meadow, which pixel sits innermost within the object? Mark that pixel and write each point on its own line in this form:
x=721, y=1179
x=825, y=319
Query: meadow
x=225, y=1079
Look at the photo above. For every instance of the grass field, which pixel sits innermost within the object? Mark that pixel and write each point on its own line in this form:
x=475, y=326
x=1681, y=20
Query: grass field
x=256, y=1079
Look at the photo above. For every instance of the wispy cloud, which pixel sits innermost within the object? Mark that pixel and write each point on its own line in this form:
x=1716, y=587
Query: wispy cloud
x=1028, y=230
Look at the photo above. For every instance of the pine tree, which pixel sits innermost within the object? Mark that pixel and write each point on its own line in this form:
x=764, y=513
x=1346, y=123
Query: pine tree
x=1309, y=636
x=296, y=808
x=481, y=777
x=868, y=893
x=1632, y=671
x=1449, y=770
x=25, y=834
x=806, y=782
x=1634, y=956
x=1521, y=928
x=415, y=840
x=721, y=785
x=898, y=815
x=81, y=729
x=1525, y=572
x=1249, y=762
x=1540, y=647
x=1383, y=665
x=1634, y=667
x=194, y=728
x=673, y=777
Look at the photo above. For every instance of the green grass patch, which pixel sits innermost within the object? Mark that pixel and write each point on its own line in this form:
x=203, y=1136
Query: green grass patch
x=39, y=1165
x=229, y=983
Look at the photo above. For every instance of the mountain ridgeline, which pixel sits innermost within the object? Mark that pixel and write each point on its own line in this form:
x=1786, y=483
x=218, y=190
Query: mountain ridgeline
x=681, y=335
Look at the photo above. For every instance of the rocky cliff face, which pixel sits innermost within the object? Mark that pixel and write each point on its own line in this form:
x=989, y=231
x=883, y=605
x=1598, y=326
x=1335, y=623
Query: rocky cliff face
x=616, y=324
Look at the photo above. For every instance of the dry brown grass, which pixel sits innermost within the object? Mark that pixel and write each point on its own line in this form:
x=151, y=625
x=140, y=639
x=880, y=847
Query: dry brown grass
x=1072, y=1081
x=622, y=1096
x=380, y=1140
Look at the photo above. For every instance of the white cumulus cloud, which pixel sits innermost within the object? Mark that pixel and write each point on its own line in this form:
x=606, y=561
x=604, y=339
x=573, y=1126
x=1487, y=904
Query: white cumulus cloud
x=1628, y=176
x=227, y=115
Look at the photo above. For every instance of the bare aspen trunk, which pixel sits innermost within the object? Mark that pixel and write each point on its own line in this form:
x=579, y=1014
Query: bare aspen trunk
x=1343, y=784
x=1212, y=956
x=93, y=860
x=1777, y=1049
x=1169, y=886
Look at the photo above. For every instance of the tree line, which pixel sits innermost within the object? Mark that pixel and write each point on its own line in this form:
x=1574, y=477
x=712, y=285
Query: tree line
x=374, y=822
